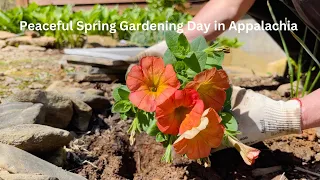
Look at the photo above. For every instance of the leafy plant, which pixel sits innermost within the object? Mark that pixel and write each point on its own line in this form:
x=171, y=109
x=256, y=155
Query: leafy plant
x=232, y=43
x=306, y=88
x=182, y=99
x=10, y=21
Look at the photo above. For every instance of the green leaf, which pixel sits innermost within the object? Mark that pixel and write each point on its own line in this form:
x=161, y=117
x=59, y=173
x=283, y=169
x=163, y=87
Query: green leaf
x=123, y=116
x=145, y=120
x=199, y=44
x=229, y=121
x=122, y=106
x=227, y=103
x=153, y=128
x=121, y=93
x=202, y=59
x=160, y=137
x=177, y=43
x=180, y=66
x=191, y=73
x=169, y=58
x=192, y=62
x=216, y=59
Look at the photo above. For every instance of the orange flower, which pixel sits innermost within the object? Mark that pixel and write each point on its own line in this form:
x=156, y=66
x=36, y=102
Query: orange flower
x=211, y=85
x=197, y=142
x=248, y=154
x=151, y=83
x=180, y=112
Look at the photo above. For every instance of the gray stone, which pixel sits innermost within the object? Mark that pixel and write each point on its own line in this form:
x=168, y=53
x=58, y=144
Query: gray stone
x=97, y=103
x=26, y=177
x=2, y=44
x=17, y=113
x=82, y=111
x=92, y=97
x=18, y=161
x=44, y=41
x=35, y=138
x=84, y=77
x=58, y=157
x=31, y=48
x=36, y=86
x=20, y=40
x=9, y=48
x=82, y=114
x=59, y=109
x=5, y=35
x=285, y=89
x=28, y=40
x=33, y=34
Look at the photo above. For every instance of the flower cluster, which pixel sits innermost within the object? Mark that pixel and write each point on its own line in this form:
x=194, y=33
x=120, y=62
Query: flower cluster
x=190, y=113
x=182, y=99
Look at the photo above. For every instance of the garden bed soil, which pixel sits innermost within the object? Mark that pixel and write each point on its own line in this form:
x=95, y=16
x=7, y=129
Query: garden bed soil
x=112, y=157
x=105, y=152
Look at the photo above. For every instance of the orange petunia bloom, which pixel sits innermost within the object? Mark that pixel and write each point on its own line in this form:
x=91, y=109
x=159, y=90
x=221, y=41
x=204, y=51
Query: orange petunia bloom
x=211, y=85
x=151, y=83
x=197, y=142
x=181, y=112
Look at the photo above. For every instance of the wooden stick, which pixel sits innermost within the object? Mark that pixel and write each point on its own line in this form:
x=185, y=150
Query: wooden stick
x=306, y=171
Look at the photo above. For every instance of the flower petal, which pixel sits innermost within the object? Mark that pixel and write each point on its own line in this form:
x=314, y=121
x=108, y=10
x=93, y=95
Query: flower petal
x=197, y=142
x=151, y=83
x=211, y=85
x=248, y=154
x=193, y=118
x=176, y=110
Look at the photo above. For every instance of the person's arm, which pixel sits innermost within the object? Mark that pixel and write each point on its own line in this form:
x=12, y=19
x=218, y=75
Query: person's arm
x=310, y=110
x=215, y=11
x=218, y=11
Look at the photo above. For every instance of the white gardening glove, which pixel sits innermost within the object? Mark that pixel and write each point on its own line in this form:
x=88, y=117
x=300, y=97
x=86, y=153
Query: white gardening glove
x=155, y=50
x=261, y=118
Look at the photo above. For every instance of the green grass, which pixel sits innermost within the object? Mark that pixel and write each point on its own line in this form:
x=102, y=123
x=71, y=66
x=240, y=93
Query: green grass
x=306, y=88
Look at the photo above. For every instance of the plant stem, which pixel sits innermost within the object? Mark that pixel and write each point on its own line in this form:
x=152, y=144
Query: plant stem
x=284, y=47
x=314, y=82
x=315, y=50
x=300, y=63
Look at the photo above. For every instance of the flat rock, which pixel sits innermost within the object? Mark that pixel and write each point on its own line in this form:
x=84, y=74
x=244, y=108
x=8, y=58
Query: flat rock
x=92, y=97
x=58, y=157
x=83, y=77
x=285, y=89
x=44, y=41
x=31, y=48
x=100, y=41
x=17, y=113
x=82, y=114
x=2, y=44
x=26, y=177
x=82, y=111
x=35, y=138
x=97, y=103
x=20, y=40
x=9, y=48
x=28, y=40
x=31, y=33
x=59, y=109
x=18, y=161
x=5, y=35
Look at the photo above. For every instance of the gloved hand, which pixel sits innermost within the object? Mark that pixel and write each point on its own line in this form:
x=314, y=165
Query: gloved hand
x=261, y=118
x=155, y=50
